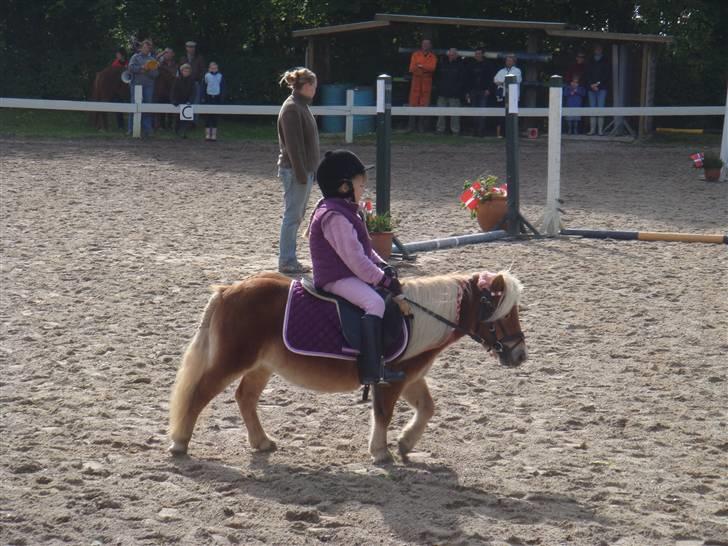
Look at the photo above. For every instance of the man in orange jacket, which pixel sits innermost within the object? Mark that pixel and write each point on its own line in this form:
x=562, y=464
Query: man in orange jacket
x=422, y=66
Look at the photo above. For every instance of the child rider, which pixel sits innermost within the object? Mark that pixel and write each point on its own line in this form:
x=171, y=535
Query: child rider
x=344, y=262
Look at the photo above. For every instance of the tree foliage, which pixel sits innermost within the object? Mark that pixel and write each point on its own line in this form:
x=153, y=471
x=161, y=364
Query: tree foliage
x=52, y=48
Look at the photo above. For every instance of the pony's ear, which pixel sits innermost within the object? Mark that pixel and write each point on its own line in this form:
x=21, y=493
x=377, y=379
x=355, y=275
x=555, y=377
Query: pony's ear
x=498, y=284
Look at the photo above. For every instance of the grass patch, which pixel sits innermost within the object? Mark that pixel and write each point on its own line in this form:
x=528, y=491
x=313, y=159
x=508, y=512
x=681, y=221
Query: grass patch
x=62, y=124
x=72, y=125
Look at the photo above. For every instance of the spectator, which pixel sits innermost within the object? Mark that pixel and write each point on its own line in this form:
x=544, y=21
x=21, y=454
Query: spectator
x=450, y=85
x=479, y=86
x=197, y=65
x=163, y=85
x=422, y=67
x=144, y=69
x=183, y=92
x=574, y=94
x=120, y=58
x=576, y=68
x=298, y=140
x=499, y=81
x=213, y=95
x=597, y=76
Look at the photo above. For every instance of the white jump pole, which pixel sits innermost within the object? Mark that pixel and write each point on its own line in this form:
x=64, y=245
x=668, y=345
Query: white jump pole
x=724, y=141
x=552, y=220
x=137, y=123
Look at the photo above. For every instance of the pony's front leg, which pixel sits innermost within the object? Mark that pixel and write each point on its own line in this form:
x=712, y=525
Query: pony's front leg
x=418, y=396
x=384, y=397
x=247, y=396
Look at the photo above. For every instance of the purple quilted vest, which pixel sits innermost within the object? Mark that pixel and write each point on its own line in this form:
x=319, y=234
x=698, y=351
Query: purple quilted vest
x=327, y=266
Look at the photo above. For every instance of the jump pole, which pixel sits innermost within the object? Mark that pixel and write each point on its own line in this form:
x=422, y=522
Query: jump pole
x=515, y=222
x=450, y=242
x=647, y=236
x=552, y=219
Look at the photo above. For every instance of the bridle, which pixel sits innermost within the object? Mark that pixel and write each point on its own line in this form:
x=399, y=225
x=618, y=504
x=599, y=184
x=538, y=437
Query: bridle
x=486, y=309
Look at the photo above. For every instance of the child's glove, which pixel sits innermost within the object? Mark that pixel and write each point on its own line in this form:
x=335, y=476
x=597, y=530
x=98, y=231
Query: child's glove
x=392, y=284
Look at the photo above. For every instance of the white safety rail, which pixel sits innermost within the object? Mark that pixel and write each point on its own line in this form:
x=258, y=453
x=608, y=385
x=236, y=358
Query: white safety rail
x=349, y=110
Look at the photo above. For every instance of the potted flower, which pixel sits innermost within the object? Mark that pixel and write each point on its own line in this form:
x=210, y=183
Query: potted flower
x=712, y=164
x=381, y=230
x=486, y=199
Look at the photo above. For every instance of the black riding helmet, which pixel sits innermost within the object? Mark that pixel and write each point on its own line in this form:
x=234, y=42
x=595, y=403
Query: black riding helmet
x=337, y=167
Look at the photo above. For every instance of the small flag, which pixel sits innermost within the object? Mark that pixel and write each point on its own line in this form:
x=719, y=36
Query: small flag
x=501, y=190
x=697, y=160
x=469, y=198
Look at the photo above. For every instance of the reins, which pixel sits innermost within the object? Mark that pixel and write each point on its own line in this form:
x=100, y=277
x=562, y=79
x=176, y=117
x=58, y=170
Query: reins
x=486, y=311
x=475, y=337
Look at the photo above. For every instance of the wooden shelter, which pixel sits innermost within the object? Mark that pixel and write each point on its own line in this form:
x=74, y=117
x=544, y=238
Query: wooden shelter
x=318, y=51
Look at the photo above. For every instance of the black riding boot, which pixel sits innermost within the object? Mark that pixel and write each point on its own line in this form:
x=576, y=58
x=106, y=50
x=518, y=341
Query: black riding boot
x=371, y=359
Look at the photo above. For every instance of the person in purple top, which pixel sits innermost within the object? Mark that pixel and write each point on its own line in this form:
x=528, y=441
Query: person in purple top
x=344, y=262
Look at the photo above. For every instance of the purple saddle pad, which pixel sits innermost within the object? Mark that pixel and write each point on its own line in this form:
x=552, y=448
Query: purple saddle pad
x=311, y=327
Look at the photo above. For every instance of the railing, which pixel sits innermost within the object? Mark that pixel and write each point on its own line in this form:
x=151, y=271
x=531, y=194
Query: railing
x=348, y=110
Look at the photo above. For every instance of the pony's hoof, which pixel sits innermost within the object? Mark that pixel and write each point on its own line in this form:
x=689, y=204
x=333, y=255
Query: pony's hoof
x=382, y=457
x=177, y=448
x=404, y=448
x=266, y=445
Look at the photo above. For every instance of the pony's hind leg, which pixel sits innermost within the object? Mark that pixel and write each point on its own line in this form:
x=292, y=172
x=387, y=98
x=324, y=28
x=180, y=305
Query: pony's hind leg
x=418, y=396
x=384, y=397
x=211, y=383
x=247, y=395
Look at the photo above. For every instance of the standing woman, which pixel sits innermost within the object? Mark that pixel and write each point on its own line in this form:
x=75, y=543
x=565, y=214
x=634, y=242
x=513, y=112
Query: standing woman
x=299, y=157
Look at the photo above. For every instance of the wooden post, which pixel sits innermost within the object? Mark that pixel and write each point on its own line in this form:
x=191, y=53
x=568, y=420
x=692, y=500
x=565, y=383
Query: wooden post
x=349, y=134
x=137, y=123
x=531, y=71
x=647, y=87
x=310, y=59
x=724, y=140
x=552, y=219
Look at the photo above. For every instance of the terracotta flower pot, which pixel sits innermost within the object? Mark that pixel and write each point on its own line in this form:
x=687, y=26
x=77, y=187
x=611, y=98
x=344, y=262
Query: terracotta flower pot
x=491, y=213
x=382, y=243
x=712, y=175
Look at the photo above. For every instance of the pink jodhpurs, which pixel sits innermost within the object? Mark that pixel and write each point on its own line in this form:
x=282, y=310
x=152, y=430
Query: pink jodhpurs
x=359, y=293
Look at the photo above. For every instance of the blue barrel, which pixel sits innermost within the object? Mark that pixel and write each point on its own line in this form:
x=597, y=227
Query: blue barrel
x=364, y=96
x=333, y=94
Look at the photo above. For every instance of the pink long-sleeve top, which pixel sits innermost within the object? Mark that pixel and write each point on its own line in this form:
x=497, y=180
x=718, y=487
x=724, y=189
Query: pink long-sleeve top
x=341, y=235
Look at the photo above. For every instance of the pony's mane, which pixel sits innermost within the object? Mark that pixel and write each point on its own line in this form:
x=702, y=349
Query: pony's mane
x=511, y=295
x=440, y=294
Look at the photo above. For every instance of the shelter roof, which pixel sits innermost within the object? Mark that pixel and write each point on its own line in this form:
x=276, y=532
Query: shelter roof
x=611, y=36
x=551, y=28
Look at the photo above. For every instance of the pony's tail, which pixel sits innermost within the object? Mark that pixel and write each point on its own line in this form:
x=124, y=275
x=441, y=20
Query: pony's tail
x=194, y=363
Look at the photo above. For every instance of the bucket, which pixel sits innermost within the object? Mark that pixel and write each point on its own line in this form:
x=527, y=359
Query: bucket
x=333, y=94
x=364, y=96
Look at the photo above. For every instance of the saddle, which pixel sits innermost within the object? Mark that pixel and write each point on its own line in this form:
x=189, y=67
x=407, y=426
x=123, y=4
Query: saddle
x=318, y=323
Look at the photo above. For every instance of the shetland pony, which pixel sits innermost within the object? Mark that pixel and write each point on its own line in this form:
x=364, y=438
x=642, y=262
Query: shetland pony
x=108, y=87
x=240, y=338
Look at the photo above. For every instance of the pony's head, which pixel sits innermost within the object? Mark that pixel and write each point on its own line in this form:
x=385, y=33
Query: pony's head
x=497, y=322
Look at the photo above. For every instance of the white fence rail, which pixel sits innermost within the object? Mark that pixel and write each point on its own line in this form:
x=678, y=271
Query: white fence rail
x=349, y=110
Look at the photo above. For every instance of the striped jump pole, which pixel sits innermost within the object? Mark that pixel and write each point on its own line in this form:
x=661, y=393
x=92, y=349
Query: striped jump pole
x=647, y=236
x=451, y=242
